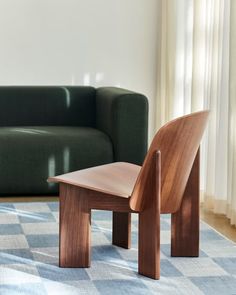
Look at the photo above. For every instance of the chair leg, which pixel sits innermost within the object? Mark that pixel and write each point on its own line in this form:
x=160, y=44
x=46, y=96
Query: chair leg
x=149, y=226
x=121, y=231
x=185, y=222
x=75, y=222
x=149, y=243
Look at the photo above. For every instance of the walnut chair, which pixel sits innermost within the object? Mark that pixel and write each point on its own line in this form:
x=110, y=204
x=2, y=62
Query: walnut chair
x=168, y=182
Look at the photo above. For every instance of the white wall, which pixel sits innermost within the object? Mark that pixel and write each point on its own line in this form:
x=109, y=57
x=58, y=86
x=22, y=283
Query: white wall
x=80, y=42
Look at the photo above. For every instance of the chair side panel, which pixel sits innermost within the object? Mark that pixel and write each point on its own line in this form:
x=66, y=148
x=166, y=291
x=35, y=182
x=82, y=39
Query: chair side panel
x=178, y=142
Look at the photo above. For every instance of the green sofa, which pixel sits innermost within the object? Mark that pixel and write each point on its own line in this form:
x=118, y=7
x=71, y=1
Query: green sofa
x=46, y=131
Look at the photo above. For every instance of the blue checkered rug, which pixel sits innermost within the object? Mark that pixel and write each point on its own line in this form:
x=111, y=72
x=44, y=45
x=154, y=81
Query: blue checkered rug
x=29, y=259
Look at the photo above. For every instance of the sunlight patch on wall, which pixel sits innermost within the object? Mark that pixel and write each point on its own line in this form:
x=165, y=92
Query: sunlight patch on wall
x=99, y=77
x=72, y=80
x=86, y=79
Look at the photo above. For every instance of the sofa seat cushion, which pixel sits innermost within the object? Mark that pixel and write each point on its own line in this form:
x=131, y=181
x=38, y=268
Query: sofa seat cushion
x=29, y=155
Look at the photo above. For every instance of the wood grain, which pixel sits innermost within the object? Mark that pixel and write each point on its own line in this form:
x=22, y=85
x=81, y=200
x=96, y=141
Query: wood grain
x=121, y=229
x=74, y=227
x=178, y=142
x=102, y=201
x=168, y=182
x=149, y=225
x=185, y=222
x=113, y=179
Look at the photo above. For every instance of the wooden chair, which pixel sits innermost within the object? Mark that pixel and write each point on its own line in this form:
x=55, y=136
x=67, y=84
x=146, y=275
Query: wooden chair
x=168, y=182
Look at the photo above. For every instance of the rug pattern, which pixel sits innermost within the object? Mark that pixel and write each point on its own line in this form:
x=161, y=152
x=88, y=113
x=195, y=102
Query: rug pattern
x=29, y=259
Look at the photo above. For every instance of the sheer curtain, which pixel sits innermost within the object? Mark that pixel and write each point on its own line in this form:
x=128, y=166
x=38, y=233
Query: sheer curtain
x=231, y=202
x=195, y=71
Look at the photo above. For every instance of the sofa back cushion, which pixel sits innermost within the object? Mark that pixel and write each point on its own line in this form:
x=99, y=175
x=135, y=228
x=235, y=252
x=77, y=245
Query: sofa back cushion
x=47, y=106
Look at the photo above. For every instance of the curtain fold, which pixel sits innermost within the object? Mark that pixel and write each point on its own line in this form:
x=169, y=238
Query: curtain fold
x=197, y=70
x=231, y=210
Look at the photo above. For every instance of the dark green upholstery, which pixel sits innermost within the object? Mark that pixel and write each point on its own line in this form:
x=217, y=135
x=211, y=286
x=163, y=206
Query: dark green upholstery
x=46, y=131
x=45, y=106
x=123, y=115
x=30, y=154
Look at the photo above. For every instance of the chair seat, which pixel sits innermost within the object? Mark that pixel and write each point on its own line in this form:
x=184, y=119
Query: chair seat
x=115, y=179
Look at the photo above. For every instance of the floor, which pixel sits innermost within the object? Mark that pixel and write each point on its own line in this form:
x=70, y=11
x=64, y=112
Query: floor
x=220, y=223
x=29, y=258
x=217, y=221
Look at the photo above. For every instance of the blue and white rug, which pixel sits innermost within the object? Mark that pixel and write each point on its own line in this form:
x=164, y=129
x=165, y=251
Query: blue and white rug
x=29, y=259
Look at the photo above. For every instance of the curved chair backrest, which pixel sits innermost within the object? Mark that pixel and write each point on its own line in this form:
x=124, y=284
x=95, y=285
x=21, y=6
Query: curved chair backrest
x=178, y=141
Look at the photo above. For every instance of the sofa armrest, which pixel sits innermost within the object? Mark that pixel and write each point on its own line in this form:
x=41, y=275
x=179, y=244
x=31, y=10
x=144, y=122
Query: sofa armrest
x=123, y=115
